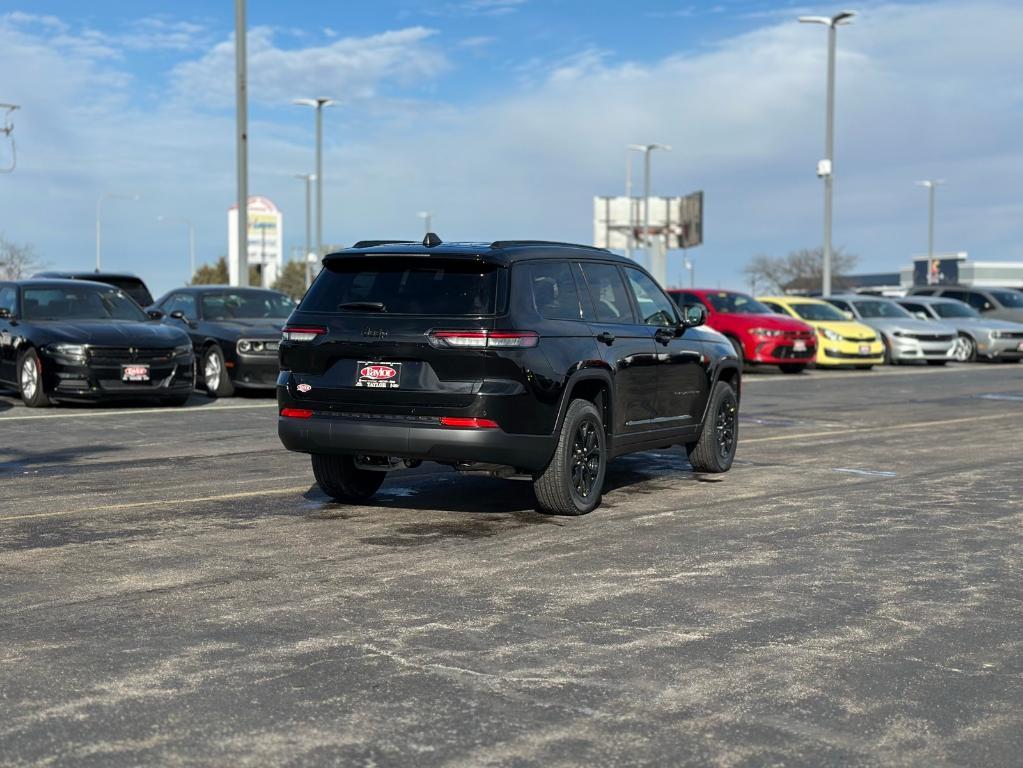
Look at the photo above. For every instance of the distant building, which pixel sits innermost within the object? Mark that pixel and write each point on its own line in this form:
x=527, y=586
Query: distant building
x=266, y=240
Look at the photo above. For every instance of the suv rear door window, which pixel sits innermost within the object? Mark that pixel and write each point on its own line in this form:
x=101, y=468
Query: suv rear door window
x=607, y=290
x=654, y=307
x=555, y=294
x=395, y=285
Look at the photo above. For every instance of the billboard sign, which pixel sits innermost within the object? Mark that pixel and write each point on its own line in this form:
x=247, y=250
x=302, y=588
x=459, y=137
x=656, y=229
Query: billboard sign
x=617, y=221
x=940, y=271
x=265, y=240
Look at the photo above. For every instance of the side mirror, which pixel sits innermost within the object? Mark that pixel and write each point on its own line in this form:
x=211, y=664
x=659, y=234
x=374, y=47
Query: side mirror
x=177, y=314
x=921, y=316
x=5, y=313
x=848, y=315
x=693, y=315
x=154, y=314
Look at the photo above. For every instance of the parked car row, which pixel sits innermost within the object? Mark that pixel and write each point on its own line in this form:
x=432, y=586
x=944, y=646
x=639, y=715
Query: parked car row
x=861, y=331
x=86, y=336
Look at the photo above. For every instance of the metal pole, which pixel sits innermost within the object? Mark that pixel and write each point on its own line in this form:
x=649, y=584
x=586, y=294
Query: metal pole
x=646, y=203
x=242, y=143
x=628, y=197
x=930, y=220
x=319, y=178
x=829, y=152
x=99, y=205
x=191, y=251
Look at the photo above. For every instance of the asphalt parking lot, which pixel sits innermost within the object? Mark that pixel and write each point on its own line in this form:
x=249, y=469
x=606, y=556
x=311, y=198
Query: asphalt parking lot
x=176, y=591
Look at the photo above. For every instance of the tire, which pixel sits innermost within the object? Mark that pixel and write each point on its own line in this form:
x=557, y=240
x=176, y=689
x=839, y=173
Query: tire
x=965, y=349
x=936, y=362
x=573, y=482
x=888, y=359
x=214, y=369
x=339, y=478
x=30, y=380
x=709, y=454
x=792, y=367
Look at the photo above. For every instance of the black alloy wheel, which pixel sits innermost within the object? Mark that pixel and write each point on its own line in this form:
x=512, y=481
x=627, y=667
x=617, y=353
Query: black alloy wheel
x=573, y=482
x=715, y=450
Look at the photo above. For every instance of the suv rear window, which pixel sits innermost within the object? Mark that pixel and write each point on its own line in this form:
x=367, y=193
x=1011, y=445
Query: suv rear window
x=403, y=286
x=132, y=286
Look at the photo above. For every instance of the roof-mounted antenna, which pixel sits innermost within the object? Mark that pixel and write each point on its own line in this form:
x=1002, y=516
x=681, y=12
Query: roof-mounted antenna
x=431, y=240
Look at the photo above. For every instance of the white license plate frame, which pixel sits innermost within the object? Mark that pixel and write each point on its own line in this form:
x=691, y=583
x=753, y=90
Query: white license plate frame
x=135, y=373
x=367, y=375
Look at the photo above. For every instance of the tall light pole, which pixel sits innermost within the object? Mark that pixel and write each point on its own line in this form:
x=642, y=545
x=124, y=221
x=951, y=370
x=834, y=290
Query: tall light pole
x=931, y=184
x=427, y=218
x=99, y=223
x=824, y=167
x=318, y=103
x=242, y=141
x=191, y=240
x=629, y=149
x=646, y=149
x=308, y=179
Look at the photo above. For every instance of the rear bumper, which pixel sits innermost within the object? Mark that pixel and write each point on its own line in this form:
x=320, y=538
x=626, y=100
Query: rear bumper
x=327, y=433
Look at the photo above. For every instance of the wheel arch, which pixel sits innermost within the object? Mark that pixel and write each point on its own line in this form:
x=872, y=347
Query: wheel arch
x=595, y=385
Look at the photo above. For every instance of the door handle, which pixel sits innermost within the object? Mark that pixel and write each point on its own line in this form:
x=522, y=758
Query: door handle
x=606, y=337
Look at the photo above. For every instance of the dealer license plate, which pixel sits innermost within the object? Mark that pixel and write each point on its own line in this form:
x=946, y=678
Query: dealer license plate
x=799, y=346
x=378, y=375
x=134, y=373
x=864, y=349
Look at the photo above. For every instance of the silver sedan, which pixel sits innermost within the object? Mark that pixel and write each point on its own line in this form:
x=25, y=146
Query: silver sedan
x=905, y=337
x=978, y=336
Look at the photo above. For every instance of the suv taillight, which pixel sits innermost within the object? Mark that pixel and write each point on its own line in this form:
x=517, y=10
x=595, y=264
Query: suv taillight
x=484, y=339
x=302, y=332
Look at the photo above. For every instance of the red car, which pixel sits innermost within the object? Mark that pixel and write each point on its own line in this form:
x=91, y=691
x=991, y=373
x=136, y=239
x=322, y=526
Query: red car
x=758, y=334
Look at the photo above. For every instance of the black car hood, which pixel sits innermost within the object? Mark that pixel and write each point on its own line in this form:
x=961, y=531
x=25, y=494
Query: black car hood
x=110, y=333
x=259, y=327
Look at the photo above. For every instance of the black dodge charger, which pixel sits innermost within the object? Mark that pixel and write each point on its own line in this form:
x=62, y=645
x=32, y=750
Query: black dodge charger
x=235, y=332
x=78, y=340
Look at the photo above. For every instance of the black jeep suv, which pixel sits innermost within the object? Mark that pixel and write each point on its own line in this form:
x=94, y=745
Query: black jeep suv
x=522, y=359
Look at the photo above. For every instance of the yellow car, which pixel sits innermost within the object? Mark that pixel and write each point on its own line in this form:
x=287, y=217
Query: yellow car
x=841, y=341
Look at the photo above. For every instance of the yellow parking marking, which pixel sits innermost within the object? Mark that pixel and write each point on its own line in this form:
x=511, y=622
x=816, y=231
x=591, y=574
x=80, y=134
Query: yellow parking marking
x=131, y=412
x=887, y=428
x=167, y=502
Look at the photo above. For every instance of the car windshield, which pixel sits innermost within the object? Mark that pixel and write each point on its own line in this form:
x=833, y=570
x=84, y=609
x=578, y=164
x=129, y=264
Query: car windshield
x=880, y=309
x=820, y=312
x=738, y=303
x=954, y=309
x=1009, y=299
x=79, y=302
x=405, y=286
x=246, y=305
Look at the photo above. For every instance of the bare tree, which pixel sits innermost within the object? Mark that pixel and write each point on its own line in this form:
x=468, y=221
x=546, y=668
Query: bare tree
x=17, y=261
x=801, y=270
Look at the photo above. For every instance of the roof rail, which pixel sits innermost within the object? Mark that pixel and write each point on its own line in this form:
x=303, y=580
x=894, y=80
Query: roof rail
x=375, y=243
x=518, y=243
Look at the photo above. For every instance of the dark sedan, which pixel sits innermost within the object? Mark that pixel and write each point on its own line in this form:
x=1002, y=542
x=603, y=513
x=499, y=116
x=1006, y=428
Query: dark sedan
x=235, y=332
x=77, y=340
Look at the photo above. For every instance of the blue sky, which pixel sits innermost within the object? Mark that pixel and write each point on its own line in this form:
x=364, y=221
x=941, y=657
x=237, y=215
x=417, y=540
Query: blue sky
x=505, y=117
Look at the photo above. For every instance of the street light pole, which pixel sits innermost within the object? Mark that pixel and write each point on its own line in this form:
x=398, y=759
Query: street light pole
x=241, y=142
x=931, y=184
x=308, y=179
x=824, y=168
x=99, y=223
x=427, y=218
x=318, y=104
x=191, y=240
x=646, y=149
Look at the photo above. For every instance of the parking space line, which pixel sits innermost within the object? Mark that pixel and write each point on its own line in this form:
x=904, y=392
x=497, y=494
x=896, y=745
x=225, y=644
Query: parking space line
x=165, y=502
x=886, y=428
x=133, y=411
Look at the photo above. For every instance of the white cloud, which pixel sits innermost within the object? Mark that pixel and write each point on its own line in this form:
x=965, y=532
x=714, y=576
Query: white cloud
x=348, y=69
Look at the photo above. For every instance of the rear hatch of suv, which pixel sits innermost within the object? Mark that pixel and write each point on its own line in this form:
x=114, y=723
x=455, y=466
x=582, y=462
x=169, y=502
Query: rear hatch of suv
x=395, y=333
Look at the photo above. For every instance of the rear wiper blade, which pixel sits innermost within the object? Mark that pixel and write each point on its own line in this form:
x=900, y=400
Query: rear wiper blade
x=365, y=306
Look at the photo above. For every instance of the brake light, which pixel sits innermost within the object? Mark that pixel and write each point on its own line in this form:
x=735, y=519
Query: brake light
x=467, y=423
x=484, y=339
x=296, y=413
x=302, y=333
